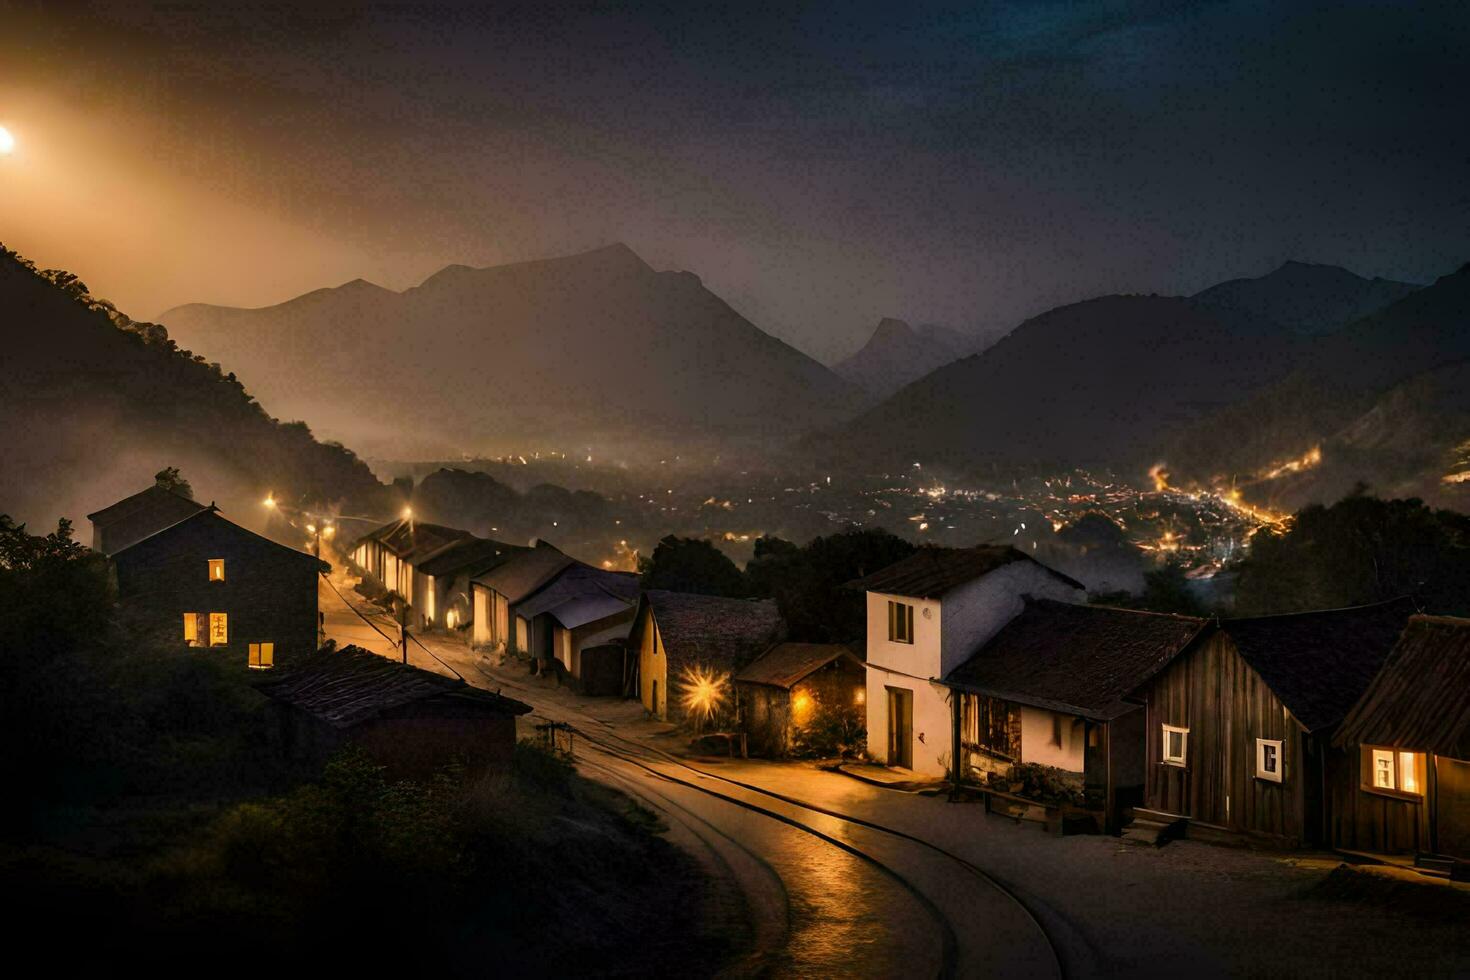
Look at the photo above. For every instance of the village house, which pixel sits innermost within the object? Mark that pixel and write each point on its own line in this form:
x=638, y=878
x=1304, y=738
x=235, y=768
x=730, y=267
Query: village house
x=394, y=555
x=497, y=594
x=1050, y=689
x=926, y=615
x=199, y=580
x=448, y=601
x=411, y=721
x=791, y=687
x=688, y=647
x=580, y=618
x=1405, y=752
x=1240, y=725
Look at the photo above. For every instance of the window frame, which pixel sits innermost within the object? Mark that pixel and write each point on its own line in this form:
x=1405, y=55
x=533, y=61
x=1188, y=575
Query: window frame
x=1418, y=765
x=900, y=614
x=261, y=656
x=213, y=564
x=1262, y=773
x=224, y=631
x=191, y=630
x=1180, y=761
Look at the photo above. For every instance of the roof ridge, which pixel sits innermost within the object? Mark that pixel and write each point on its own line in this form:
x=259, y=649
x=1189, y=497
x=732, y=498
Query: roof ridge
x=1319, y=612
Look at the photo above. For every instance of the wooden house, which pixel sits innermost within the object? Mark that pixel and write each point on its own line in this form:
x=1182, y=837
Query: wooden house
x=498, y=593
x=790, y=687
x=205, y=582
x=1240, y=725
x=688, y=646
x=1403, y=785
x=410, y=720
x=1050, y=688
x=580, y=618
x=394, y=555
x=927, y=614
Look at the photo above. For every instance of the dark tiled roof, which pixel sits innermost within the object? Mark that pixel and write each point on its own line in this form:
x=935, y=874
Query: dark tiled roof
x=350, y=686
x=713, y=631
x=930, y=572
x=472, y=555
x=134, y=518
x=416, y=540
x=525, y=572
x=1319, y=663
x=579, y=581
x=1420, y=700
x=1079, y=659
x=787, y=664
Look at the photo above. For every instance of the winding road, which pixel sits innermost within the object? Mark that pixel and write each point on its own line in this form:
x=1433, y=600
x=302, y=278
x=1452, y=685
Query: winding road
x=810, y=890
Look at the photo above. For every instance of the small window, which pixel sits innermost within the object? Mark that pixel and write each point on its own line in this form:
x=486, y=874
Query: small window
x=900, y=622
x=219, y=629
x=191, y=629
x=1392, y=770
x=216, y=569
x=1176, y=745
x=1268, y=759
x=262, y=656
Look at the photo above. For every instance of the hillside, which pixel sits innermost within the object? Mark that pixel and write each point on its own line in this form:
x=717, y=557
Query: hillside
x=1306, y=298
x=897, y=354
x=1383, y=398
x=93, y=404
x=593, y=349
x=1098, y=382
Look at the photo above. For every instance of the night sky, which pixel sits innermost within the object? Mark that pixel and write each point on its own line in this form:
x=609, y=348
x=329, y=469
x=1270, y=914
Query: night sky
x=818, y=166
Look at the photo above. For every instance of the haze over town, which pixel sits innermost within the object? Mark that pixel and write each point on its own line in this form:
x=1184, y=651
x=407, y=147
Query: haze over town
x=762, y=466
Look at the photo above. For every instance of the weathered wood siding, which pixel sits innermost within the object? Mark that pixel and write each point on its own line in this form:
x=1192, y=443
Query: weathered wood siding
x=1362, y=820
x=1226, y=707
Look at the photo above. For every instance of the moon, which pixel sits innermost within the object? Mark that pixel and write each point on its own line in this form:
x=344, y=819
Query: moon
x=7, y=142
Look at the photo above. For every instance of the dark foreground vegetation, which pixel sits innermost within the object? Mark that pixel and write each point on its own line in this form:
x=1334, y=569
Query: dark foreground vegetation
x=143, y=812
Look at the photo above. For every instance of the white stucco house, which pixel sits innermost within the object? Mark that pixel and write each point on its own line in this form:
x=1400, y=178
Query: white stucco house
x=927, y=614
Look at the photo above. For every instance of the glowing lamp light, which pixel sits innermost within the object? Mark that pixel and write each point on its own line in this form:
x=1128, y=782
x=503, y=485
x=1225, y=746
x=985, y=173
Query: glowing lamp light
x=408, y=513
x=7, y=142
x=269, y=501
x=704, y=692
x=311, y=529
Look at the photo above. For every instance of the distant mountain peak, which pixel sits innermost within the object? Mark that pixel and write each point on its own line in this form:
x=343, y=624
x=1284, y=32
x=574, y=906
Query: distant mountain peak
x=890, y=329
x=1307, y=297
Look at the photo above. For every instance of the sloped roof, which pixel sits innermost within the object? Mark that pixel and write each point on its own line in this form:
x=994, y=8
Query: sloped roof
x=213, y=512
x=1082, y=660
x=1420, y=700
x=526, y=572
x=1319, y=663
x=350, y=686
x=145, y=513
x=473, y=555
x=930, y=572
x=412, y=540
x=787, y=664
x=712, y=630
x=582, y=582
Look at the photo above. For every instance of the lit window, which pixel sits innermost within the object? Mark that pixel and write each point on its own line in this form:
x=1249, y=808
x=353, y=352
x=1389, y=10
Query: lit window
x=900, y=622
x=219, y=629
x=262, y=656
x=191, y=629
x=1392, y=770
x=1268, y=759
x=1176, y=745
x=216, y=569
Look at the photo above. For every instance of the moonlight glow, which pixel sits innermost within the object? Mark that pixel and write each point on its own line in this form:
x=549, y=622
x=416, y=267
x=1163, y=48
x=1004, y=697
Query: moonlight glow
x=7, y=142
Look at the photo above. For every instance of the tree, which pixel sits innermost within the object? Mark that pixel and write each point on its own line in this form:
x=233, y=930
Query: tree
x=1361, y=549
x=170, y=479
x=691, y=565
x=1165, y=590
x=808, y=583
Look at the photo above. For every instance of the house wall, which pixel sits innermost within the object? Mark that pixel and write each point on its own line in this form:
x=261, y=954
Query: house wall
x=1226, y=707
x=452, y=595
x=1361, y=819
x=409, y=743
x=653, y=666
x=480, y=632
x=946, y=634
x=768, y=715
x=1039, y=746
x=269, y=592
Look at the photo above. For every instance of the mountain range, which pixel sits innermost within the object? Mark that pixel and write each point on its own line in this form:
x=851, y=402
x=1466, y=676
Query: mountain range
x=897, y=354
x=594, y=349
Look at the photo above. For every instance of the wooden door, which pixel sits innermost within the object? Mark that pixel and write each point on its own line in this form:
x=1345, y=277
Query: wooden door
x=900, y=727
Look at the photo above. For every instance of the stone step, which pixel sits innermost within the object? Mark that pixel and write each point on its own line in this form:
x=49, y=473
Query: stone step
x=1144, y=830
